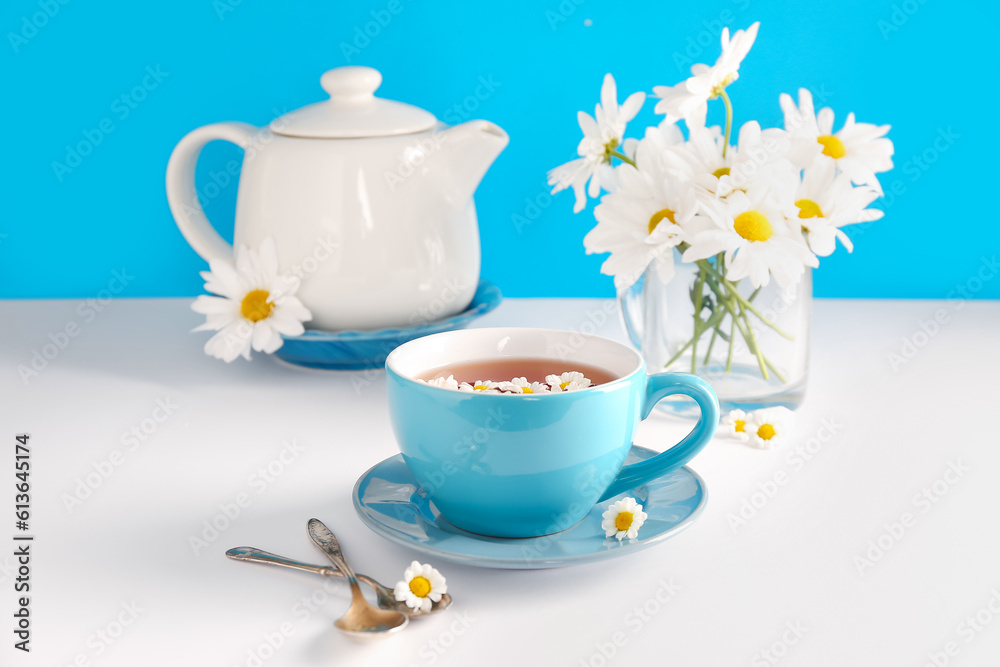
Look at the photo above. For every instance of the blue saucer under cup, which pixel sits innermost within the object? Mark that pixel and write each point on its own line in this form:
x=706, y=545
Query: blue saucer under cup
x=390, y=502
x=512, y=465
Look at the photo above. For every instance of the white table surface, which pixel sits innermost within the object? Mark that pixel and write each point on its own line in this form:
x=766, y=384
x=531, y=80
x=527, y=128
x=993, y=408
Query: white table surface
x=116, y=580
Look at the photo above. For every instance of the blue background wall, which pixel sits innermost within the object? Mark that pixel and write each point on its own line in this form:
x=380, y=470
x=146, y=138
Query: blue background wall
x=926, y=68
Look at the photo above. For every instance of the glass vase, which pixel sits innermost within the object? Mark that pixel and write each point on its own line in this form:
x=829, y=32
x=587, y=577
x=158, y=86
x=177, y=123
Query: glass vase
x=751, y=345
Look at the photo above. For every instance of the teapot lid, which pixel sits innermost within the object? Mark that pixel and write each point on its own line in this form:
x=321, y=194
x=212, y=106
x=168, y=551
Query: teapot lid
x=353, y=110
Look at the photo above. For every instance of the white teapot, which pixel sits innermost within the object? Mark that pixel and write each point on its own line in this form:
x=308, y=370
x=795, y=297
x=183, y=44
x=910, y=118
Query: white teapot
x=368, y=200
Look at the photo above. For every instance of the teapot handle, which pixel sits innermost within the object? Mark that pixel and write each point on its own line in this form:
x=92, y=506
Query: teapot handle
x=181, y=193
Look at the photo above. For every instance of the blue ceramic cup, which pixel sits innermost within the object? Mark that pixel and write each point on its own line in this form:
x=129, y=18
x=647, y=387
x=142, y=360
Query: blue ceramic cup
x=509, y=465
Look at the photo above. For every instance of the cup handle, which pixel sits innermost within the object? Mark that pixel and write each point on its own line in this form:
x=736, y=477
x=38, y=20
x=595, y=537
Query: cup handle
x=660, y=386
x=181, y=193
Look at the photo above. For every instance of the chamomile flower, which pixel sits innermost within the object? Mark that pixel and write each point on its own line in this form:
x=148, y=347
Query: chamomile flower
x=623, y=519
x=522, y=386
x=735, y=422
x=254, y=307
x=648, y=215
x=757, y=239
x=768, y=428
x=444, y=383
x=758, y=160
x=699, y=159
x=689, y=98
x=859, y=150
x=826, y=202
x=568, y=381
x=481, y=386
x=602, y=135
x=422, y=585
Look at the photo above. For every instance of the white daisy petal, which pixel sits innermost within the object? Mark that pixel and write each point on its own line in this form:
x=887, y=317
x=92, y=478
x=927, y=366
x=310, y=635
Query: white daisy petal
x=442, y=383
x=212, y=305
x=230, y=342
x=286, y=325
x=262, y=335
x=224, y=280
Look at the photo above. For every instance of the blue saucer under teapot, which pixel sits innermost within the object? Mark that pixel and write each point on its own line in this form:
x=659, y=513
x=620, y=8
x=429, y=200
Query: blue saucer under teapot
x=356, y=350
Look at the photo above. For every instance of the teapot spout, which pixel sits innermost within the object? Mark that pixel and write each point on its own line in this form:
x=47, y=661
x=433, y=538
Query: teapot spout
x=471, y=148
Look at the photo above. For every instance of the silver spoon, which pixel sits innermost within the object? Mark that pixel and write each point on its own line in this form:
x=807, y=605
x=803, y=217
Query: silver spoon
x=384, y=595
x=361, y=618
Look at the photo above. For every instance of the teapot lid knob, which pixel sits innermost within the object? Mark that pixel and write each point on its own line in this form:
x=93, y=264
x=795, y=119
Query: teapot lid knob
x=353, y=110
x=352, y=82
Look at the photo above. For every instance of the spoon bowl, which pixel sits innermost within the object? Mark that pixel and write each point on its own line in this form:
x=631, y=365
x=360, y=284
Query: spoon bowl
x=361, y=619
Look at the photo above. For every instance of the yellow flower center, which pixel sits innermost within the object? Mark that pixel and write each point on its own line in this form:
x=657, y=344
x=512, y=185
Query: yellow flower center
x=623, y=520
x=738, y=426
x=719, y=87
x=832, y=146
x=809, y=209
x=610, y=148
x=255, y=306
x=658, y=217
x=480, y=387
x=420, y=586
x=720, y=172
x=766, y=432
x=753, y=226
x=527, y=390
x=563, y=385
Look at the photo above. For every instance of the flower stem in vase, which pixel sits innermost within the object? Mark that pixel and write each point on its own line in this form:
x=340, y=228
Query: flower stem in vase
x=715, y=330
x=712, y=321
x=732, y=339
x=699, y=288
x=727, y=301
x=731, y=288
x=751, y=340
x=711, y=344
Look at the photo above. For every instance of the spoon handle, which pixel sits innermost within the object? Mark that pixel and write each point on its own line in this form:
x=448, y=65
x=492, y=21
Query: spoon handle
x=324, y=538
x=254, y=555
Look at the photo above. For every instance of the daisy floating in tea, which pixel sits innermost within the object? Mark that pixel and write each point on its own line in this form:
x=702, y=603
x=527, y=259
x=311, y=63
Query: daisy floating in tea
x=553, y=383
